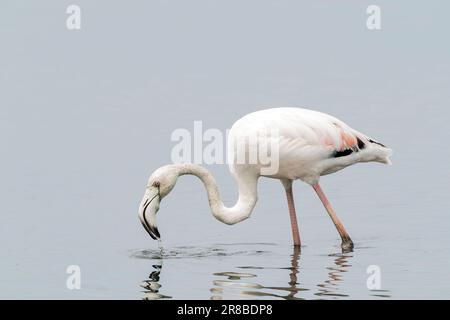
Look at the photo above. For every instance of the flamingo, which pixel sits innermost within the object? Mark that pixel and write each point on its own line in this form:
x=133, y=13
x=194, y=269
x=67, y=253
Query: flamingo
x=310, y=144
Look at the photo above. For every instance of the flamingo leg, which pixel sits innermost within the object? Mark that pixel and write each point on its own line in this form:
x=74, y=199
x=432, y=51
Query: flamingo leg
x=347, y=243
x=293, y=216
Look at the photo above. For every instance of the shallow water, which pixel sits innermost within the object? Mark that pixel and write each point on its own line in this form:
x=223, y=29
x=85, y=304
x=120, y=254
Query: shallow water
x=255, y=271
x=271, y=271
x=86, y=116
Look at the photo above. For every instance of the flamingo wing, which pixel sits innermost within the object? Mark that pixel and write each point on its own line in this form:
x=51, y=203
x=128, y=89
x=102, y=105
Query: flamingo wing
x=311, y=143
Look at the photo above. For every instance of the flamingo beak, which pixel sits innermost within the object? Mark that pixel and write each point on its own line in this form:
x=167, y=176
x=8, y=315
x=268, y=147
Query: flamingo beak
x=147, y=213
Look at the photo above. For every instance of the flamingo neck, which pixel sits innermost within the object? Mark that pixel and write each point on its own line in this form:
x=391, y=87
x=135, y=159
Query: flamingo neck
x=247, y=186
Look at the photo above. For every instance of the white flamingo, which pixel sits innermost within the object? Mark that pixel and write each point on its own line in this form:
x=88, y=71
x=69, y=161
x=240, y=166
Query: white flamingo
x=310, y=144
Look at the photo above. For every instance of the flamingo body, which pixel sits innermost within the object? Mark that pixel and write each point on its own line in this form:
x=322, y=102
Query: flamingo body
x=310, y=144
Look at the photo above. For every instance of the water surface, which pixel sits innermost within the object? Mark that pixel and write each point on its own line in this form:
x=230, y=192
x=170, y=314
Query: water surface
x=86, y=116
x=256, y=271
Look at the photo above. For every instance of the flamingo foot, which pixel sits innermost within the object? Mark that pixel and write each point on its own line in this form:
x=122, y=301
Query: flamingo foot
x=347, y=245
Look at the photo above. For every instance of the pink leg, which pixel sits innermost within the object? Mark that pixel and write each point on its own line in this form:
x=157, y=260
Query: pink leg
x=293, y=216
x=347, y=243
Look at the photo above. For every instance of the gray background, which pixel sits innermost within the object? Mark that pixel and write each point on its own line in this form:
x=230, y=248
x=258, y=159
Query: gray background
x=86, y=116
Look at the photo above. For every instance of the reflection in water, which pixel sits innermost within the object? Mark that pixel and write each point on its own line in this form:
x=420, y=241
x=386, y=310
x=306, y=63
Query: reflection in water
x=152, y=286
x=244, y=285
x=380, y=293
x=244, y=289
x=330, y=287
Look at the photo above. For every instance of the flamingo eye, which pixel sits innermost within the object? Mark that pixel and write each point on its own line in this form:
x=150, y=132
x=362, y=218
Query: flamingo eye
x=156, y=184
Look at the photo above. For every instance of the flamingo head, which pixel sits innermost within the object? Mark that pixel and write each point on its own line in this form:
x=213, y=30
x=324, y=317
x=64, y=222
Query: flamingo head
x=160, y=183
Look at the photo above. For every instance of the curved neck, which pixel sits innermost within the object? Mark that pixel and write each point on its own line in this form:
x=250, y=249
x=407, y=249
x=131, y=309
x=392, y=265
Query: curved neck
x=247, y=186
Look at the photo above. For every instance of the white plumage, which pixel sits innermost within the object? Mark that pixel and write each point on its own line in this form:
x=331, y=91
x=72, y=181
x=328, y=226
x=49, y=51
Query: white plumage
x=307, y=138
x=309, y=144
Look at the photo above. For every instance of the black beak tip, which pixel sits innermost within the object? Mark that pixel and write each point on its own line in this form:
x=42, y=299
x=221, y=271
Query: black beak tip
x=152, y=231
x=156, y=234
x=151, y=235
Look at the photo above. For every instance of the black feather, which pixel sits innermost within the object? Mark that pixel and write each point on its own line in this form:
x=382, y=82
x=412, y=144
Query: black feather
x=343, y=153
x=361, y=145
x=380, y=144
